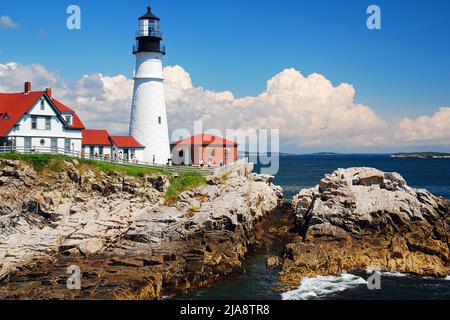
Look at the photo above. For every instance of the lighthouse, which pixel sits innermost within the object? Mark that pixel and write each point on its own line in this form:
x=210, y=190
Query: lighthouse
x=148, y=123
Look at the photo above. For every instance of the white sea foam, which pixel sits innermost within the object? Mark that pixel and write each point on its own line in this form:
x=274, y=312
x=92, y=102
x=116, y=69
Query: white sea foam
x=447, y=278
x=318, y=287
x=394, y=274
x=387, y=273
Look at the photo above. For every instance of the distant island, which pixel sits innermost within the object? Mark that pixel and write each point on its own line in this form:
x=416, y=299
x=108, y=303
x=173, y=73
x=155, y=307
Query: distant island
x=326, y=154
x=434, y=155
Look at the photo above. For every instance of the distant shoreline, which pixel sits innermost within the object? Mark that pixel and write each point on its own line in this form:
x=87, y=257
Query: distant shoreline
x=424, y=155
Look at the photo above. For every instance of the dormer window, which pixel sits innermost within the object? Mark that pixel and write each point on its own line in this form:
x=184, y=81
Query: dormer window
x=68, y=119
x=4, y=116
x=42, y=104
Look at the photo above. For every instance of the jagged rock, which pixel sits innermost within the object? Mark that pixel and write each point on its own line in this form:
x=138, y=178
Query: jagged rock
x=11, y=163
x=279, y=192
x=10, y=171
x=215, y=180
x=362, y=218
x=57, y=224
x=368, y=177
x=3, y=180
x=97, y=187
x=90, y=246
x=74, y=176
x=273, y=262
x=263, y=178
x=160, y=183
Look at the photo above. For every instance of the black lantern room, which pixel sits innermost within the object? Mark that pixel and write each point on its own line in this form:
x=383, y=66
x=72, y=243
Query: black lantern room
x=149, y=36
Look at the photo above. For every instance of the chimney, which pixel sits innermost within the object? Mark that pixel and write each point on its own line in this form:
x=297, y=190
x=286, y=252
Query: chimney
x=27, y=88
x=48, y=92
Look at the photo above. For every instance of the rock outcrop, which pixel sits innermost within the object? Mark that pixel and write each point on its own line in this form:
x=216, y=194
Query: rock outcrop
x=117, y=229
x=363, y=218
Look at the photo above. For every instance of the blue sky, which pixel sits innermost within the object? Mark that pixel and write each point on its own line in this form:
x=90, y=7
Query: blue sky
x=237, y=45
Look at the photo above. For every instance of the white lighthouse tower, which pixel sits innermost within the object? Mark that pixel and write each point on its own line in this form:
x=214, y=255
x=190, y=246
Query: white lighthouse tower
x=148, y=122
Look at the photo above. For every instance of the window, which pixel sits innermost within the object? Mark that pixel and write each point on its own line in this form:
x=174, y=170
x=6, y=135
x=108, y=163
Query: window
x=48, y=123
x=68, y=119
x=67, y=145
x=54, y=145
x=159, y=120
x=42, y=104
x=100, y=151
x=27, y=144
x=42, y=142
x=34, y=123
x=91, y=151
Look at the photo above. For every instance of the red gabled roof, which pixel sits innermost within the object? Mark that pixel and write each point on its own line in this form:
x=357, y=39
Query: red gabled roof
x=76, y=124
x=15, y=105
x=96, y=138
x=126, y=142
x=205, y=140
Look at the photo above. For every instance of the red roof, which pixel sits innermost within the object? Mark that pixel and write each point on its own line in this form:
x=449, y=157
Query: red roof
x=76, y=123
x=126, y=142
x=17, y=104
x=205, y=140
x=96, y=138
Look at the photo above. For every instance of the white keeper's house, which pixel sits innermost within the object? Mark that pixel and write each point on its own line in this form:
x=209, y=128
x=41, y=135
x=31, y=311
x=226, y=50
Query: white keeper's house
x=34, y=121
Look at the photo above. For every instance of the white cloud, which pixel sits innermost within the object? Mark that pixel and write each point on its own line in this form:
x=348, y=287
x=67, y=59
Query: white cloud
x=425, y=130
x=7, y=23
x=309, y=111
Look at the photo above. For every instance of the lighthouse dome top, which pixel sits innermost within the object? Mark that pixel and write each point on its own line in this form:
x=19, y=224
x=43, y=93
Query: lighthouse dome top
x=149, y=15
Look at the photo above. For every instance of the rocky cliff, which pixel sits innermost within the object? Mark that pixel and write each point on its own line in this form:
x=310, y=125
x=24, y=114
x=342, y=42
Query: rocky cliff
x=362, y=218
x=118, y=230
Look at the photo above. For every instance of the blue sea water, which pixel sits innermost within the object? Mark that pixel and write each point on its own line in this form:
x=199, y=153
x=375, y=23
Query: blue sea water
x=305, y=171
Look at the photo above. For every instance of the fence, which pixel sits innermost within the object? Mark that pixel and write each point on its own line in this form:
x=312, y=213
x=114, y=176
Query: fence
x=205, y=171
x=82, y=155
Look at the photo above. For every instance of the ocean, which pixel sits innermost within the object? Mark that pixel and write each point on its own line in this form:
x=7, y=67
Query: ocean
x=305, y=171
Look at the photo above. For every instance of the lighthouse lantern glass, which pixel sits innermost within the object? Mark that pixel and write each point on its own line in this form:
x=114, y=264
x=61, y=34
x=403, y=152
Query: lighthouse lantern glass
x=153, y=25
x=149, y=27
x=143, y=28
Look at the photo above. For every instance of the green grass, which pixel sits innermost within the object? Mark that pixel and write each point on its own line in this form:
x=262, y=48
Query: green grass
x=38, y=161
x=185, y=181
x=54, y=163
